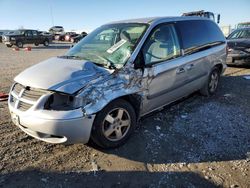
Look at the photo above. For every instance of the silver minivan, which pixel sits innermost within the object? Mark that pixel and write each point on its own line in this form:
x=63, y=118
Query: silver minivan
x=118, y=73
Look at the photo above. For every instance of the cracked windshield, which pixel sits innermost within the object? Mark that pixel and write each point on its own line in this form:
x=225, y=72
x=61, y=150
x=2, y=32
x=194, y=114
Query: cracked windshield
x=109, y=45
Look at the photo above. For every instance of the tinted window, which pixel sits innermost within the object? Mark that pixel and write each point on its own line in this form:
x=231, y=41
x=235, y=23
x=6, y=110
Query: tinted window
x=197, y=33
x=34, y=33
x=161, y=45
x=28, y=33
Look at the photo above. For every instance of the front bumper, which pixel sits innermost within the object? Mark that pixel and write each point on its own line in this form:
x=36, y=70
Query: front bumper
x=238, y=57
x=54, y=126
x=9, y=42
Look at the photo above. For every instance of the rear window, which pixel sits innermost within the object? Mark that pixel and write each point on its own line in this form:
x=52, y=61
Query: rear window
x=198, y=33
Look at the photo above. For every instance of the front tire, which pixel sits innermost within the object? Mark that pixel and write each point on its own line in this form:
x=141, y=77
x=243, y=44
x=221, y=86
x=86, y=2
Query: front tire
x=36, y=44
x=114, y=124
x=9, y=45
x=46, y=43
x=211, y=85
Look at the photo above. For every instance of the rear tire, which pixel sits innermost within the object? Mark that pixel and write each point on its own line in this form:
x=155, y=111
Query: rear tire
x=114, y=124
x=19, y=44
x=211, y=84
x=9, y=45
x=36, y=44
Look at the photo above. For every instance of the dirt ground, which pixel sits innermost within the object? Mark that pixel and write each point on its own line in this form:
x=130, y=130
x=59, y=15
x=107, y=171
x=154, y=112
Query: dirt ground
x=197, y=142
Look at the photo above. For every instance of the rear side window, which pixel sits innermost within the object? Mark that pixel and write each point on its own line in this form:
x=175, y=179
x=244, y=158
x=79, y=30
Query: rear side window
x=199, y=34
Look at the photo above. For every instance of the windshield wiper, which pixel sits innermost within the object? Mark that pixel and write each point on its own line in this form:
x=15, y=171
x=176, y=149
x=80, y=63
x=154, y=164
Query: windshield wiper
x=70, y=57
x=109, y=65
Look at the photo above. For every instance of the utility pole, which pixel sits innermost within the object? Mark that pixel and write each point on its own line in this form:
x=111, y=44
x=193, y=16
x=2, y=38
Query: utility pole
x=51, y=13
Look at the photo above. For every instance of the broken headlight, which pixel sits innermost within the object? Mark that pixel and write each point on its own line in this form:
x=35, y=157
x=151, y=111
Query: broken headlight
x=64, y=102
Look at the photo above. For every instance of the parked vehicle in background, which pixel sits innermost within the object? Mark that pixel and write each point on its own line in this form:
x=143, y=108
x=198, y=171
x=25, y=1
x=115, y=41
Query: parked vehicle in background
x=25, y=36
x=78, y=38
x=65, y=36
x=69, y=35
x=118, y=73
x=47, y=34
x=4, y=32
x=1, y=34
x=56, y=30
x=239, y=46
x=243, y=25
x=60, y=37
x=205, y=14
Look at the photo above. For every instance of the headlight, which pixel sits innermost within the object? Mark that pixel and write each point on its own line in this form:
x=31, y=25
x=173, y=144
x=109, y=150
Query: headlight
x=12, y=38
x=64, y=102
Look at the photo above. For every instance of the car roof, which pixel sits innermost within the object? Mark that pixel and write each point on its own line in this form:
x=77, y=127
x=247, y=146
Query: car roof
x=243, y=28
x=150, y=20
x=26, y=30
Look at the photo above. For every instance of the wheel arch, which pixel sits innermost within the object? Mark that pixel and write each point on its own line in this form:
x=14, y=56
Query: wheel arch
x=133, y=99
x=220, y=67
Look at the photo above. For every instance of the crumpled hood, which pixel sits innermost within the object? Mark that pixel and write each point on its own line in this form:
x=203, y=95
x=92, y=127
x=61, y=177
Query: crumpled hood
x=58, y=74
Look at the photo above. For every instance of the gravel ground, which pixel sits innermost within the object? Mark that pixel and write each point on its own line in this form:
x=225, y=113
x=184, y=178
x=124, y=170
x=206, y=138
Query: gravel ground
x=197, y=142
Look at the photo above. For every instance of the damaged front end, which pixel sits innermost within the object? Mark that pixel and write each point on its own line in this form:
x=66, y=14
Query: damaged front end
x=70, y=90
x=121, y=83
x=64, y=117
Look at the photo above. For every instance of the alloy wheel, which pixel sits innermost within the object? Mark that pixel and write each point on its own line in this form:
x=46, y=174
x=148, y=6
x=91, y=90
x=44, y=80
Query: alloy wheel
x=213, y=81
x=116, y=124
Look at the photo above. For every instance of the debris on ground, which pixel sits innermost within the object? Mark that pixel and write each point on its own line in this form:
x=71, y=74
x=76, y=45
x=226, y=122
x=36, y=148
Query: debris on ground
x=95, y=167
x=3, y=97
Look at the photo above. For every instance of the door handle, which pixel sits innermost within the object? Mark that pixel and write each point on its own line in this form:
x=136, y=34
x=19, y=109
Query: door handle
x=189, y=66
x=180, y=70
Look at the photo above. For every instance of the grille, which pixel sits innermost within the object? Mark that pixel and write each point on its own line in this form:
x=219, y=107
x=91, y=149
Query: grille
x=24, y=106
x=24, y=98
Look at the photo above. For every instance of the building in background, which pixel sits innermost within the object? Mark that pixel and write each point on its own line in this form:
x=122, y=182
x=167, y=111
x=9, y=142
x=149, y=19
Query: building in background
x=226, y=30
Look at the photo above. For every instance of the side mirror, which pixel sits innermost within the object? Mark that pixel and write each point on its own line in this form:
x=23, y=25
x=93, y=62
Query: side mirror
x=139, y=62
x=218, y=18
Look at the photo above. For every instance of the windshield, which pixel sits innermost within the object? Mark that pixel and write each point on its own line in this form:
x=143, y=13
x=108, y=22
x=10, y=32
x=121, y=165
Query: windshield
x=244, y=33
x=17, y=32
x=109, y=44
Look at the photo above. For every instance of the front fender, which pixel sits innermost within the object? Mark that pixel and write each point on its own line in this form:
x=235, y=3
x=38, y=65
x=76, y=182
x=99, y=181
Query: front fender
x=108, y=97
x=123, y=83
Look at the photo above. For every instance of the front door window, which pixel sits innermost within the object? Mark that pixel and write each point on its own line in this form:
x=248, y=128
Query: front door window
x=161, y=45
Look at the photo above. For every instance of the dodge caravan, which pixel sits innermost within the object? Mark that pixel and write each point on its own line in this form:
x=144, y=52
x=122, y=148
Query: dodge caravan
x=118, y=73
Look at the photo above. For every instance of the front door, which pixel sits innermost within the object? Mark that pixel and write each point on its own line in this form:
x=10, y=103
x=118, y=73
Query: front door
x=29, y=37
x=165, y=69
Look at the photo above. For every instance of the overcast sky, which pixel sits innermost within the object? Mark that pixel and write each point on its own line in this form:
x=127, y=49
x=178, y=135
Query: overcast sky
x=89, y=14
